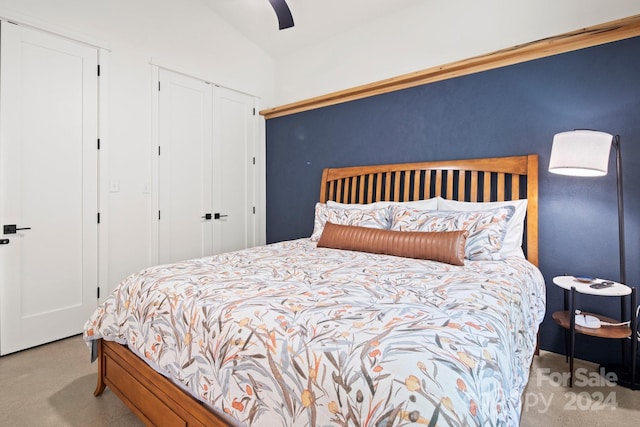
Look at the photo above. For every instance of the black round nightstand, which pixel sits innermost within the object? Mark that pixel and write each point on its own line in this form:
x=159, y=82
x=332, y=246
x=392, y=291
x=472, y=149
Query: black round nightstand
x=611, y=328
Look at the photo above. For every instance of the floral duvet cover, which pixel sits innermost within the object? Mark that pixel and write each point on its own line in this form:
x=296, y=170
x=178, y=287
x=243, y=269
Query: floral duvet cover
x=293, y=335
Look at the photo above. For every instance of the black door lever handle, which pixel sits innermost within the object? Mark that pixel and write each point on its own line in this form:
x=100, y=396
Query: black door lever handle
x=218, y=216
x=12, y=229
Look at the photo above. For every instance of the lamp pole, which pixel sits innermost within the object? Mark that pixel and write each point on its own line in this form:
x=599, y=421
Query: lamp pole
x=623, y=260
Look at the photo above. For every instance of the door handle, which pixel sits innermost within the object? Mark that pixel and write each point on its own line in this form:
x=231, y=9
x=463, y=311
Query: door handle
x=207, y=216
x=218, y=216
x=12, y=229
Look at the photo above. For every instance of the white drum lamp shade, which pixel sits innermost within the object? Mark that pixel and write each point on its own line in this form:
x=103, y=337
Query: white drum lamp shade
x=580, y=153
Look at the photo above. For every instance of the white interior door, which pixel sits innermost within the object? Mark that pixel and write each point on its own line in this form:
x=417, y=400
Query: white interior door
x=234, y=170
x=48, y=183
x=184, y=167
x=206, y=179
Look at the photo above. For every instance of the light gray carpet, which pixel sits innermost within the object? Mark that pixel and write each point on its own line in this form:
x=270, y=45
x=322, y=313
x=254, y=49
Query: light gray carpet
x=53, y=385
x=549, y=401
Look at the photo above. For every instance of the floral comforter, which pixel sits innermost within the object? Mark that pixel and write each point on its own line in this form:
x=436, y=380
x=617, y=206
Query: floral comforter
x=290, y=334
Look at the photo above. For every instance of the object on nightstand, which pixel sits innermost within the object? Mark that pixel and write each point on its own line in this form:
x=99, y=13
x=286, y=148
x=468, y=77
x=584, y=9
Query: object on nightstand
x=602, y=285
x=588, y=321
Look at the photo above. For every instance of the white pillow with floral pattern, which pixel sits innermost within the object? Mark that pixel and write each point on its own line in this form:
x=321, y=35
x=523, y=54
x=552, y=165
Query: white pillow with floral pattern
x=512, y=245
x=487, y=228
x=373, y=218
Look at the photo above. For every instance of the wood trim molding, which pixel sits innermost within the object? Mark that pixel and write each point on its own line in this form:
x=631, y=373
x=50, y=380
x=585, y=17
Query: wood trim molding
x=587, y=37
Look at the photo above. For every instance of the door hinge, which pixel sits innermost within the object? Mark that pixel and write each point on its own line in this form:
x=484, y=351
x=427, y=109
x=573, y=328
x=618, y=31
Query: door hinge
x=254, y=111
x=98, y=217
x=254, y=210
x=158, y=215
x=158, y=85
x=98, y=292
x=98, y=143
x=254, y=160
x=158, y=150
x=98, y=70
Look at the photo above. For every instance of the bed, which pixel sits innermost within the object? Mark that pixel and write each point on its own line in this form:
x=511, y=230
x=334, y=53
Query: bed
x=298, y=334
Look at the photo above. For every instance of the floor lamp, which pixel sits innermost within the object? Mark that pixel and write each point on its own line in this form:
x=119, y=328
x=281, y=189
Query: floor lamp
x=586, y=153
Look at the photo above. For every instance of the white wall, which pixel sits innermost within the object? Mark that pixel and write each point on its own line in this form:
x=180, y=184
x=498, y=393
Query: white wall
x=188, y=35
x=184, y=34
x=434, y=32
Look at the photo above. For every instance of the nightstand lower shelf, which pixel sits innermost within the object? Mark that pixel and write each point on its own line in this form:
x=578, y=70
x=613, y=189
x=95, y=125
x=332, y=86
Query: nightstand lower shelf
x=563, y=318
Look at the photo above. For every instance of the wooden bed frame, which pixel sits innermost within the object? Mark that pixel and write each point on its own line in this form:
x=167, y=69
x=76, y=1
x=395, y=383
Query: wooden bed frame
x=158, y=401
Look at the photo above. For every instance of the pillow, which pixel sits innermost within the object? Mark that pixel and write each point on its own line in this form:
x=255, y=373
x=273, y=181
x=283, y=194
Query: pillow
x=512, y=245
x=445, y=246
x=372, y=218
x=486, y=228
x=428, y=204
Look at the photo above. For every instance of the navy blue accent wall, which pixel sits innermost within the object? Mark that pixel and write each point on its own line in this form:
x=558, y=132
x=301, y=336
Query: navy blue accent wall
x=508, y=111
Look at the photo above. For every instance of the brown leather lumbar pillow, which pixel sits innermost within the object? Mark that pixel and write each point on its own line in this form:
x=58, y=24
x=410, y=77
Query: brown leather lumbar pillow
x=445, y=246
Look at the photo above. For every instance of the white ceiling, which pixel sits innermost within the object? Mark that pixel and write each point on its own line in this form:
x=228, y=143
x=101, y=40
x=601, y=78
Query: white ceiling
x=315, y=20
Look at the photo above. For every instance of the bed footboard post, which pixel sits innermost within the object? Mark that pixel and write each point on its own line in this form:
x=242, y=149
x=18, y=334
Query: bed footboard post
x=101, y=385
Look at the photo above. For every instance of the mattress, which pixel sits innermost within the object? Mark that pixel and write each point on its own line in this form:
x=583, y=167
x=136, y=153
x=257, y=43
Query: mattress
x=291, y=334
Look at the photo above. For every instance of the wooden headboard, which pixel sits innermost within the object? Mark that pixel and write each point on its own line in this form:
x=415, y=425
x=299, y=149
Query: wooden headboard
x=471, y=180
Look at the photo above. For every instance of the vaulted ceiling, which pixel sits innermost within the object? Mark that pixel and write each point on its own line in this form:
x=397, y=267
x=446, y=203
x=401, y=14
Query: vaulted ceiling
x=315, y=20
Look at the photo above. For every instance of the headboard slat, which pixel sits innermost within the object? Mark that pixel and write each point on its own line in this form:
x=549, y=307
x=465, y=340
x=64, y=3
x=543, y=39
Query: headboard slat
x=474, y=187
x=486, y=191
x=427, y=185
x=449, y=185
x=407, y=186
x=515, y=187
x=462, y=181
x=501, y=184
x=438, y=191
x=396, y=187
x=417, y=175
x=378, y=186
x=369, y=188
x=387, y=186
x=350, y=195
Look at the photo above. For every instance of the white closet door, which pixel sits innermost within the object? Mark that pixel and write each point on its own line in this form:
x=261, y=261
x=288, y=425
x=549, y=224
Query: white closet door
x=48, y=183
x=234, y=170
x=184, y=167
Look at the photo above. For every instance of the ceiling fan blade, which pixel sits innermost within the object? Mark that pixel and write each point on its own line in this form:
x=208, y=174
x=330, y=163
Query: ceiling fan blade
x=285, y=19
